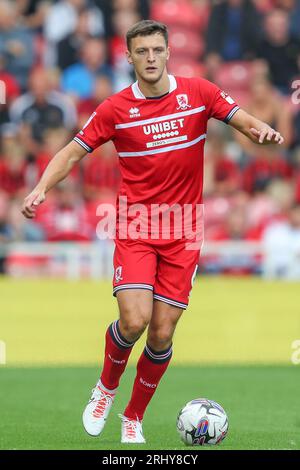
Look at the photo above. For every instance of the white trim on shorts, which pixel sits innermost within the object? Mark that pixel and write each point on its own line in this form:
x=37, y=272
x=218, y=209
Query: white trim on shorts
x=132, y=286
x=170, y=301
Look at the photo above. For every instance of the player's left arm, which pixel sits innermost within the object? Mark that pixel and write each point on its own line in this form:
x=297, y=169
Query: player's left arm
x=257, y=131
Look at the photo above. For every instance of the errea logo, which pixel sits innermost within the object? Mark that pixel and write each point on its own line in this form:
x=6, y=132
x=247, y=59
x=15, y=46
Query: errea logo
x=134, y=112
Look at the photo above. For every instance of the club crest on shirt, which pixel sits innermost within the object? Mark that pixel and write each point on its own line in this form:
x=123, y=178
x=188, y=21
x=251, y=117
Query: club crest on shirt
x=118, y=274
x=183, y=101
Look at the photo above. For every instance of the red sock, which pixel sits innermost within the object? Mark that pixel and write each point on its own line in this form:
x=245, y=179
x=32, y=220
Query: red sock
x=150, y=369
x=117, y=352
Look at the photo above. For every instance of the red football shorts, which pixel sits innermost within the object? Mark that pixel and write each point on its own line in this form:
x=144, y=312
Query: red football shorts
x=165, y=267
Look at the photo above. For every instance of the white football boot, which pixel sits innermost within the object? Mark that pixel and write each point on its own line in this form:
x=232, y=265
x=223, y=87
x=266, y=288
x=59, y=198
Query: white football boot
x=96, y=412
x=132, y=431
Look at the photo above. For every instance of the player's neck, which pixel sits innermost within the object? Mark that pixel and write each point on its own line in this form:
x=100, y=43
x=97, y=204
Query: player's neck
x=155, y=89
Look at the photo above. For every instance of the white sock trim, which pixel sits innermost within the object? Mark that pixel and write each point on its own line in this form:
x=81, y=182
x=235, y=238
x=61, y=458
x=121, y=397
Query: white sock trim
x=100, y=385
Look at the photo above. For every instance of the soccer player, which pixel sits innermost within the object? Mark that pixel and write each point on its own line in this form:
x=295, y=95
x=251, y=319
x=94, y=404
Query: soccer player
x=158, y=126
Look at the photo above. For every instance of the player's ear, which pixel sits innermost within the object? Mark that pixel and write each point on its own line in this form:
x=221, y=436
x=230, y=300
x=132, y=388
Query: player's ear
x=168, y=53
x=129, y=58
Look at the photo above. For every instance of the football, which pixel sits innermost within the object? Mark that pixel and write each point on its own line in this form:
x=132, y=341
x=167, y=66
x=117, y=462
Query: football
x=201, y=422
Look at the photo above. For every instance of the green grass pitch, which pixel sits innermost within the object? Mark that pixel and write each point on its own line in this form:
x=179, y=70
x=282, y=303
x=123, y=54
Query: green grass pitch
x=233, y=345
x=41, y=408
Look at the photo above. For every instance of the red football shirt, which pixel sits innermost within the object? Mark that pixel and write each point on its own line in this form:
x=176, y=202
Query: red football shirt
x=159, y=141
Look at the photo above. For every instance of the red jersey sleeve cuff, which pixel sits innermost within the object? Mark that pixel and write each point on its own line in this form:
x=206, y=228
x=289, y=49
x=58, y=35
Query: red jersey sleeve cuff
x=231, y=114
x=83, y=144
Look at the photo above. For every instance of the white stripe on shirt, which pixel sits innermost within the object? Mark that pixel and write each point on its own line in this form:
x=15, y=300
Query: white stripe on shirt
x=162, y=150
x=160, y=118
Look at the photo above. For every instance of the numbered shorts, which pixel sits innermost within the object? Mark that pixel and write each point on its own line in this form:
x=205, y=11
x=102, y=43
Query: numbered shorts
x=165, y=267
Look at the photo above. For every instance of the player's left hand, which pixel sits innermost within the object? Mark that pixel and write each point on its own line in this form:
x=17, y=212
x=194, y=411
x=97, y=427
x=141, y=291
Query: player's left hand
x=267, y=136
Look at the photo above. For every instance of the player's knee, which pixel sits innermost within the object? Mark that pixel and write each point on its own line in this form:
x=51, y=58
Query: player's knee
x=160, y=338
x=134, y=325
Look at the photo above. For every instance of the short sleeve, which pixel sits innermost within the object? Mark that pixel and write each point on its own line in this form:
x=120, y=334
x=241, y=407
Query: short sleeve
x=219, y=104
x=98, y=129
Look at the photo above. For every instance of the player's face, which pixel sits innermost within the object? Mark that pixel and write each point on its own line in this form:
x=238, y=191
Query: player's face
x=148, y=55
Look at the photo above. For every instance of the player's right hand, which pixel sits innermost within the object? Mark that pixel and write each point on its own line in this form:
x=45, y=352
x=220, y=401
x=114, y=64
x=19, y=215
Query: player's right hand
x=31, y=202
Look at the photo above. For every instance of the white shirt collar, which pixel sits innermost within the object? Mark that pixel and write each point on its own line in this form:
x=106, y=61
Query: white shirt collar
x=139, y=95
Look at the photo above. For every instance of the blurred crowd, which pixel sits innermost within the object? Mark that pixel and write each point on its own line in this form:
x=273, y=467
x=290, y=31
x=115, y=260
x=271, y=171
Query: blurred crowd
x=60, y=58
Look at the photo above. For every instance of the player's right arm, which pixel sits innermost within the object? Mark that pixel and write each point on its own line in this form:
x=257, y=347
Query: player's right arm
x=98, y=129
x=58, y=168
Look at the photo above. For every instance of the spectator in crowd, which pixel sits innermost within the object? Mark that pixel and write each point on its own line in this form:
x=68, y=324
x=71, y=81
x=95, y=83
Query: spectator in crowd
x=282, y=193
x=62, y=19
x=280, y=50
x=142, y=6
x=53, y=140
x=222, y=174
x=268, y=104
x=264, y=167
x=282, y=247
x=235, y=229
x=42, y=108
x=122, y=22
x=12, y=162
x=66, y=219
x=233, y=32
x=293, y=9
x=101, y=174
x=269, y=205
x=108, y=7
x=8, y=92
x=14, y=228
x=16, y=43
x=85, y=107
x=236, y=226
x=23, y=230
x=78, y=80
x=33, y=12
x=68, y=48
x=218, y=182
